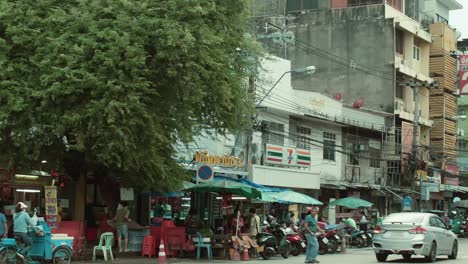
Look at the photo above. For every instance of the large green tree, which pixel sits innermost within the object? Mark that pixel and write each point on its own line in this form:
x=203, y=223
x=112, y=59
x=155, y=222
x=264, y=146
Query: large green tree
x=113, y=84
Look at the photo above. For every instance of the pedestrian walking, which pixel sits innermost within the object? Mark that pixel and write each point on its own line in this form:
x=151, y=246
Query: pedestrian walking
x=121, y=222
x=311, y=227
x=254, y=228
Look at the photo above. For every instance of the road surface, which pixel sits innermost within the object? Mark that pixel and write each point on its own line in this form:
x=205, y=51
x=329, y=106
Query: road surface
x=358, y=256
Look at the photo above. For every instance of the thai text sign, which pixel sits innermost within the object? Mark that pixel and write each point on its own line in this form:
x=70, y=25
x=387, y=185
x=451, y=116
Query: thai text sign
x=51, y=210
x=219, y=160
x=463, y=74
x=287, y=156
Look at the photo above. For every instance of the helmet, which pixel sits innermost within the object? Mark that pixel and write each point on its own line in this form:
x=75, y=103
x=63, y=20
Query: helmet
x=271, y=219
x=453, y=214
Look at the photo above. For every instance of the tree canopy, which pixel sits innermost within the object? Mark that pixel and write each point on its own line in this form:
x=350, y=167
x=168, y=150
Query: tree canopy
x=115, y=83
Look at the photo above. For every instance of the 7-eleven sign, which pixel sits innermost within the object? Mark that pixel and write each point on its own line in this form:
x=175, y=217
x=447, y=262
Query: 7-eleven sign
x=463, y=74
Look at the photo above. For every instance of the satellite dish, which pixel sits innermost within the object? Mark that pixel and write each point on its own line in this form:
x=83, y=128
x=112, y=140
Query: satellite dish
x=358, y=103
x=337, y=96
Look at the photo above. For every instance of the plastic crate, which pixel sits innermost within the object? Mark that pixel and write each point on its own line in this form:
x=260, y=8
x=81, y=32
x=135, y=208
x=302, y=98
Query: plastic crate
x=135, y=247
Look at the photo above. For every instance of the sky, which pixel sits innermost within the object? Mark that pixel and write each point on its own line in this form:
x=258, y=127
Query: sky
x=459, y=19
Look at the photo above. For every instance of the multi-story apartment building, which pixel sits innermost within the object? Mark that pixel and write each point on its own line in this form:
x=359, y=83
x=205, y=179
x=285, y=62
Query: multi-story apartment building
x=364, y=51
x=462, y=157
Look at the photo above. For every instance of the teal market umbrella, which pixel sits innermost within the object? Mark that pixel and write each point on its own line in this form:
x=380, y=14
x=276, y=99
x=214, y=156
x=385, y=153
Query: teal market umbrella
x=227, y=187
x=351, y=202
x=289, y=197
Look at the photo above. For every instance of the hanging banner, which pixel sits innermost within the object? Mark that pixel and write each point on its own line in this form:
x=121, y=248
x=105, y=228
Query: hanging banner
x=287, y=156
x=50, y=193
x=463, y=74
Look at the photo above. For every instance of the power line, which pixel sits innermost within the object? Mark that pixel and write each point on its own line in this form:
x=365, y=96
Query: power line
x=336, y=58
x=311, y=141
x=296, y=106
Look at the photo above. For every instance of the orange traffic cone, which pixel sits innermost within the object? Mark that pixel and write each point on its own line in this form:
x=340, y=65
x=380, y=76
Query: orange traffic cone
x=245, y=254
x=162, y=254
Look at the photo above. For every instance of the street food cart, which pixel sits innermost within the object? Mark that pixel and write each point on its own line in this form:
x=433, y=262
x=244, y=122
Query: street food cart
x=45, y=247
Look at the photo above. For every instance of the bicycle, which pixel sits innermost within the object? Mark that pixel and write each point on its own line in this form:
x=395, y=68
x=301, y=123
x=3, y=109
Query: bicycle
x=10, y=251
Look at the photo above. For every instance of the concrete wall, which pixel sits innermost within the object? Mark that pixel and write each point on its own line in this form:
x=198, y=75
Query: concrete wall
x=360, y=34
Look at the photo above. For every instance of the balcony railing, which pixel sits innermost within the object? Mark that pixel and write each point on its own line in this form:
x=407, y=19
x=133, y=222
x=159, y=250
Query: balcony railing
x=364, y=2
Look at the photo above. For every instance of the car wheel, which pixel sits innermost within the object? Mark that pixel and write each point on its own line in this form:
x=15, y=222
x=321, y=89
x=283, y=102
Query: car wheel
x=381, y=257
x=454, y=253
x=432, y=257
x=407, y=257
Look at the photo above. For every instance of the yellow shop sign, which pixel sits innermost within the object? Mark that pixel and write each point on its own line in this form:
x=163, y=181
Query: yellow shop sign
x=226, y=161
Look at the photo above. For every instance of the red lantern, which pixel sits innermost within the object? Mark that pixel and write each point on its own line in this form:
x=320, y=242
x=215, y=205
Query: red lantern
x=358, y=103
x=337, y=96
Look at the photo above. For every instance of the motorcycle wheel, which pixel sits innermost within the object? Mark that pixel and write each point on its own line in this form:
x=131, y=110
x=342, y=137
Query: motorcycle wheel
x=287, y=249
x=266, y=255
x=359, y=242
x=332, y=246
x=322, y=248
x=296, y=249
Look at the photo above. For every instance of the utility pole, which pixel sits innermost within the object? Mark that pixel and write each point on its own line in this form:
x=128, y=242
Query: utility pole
x=415, y=87
x=415, y=150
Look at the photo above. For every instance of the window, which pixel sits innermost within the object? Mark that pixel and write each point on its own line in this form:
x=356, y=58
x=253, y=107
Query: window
x=415, y=52
x=301, y=5
x=374, y=155
x=273, y=133
x=412, y=9
x=353, y=150
x=399, y=41
x=303, y=137
x=440, y=18
x=329, y=140
x=395, y=3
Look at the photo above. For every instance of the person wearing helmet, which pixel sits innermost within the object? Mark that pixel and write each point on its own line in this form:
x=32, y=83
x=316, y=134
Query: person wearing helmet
x=21, y=222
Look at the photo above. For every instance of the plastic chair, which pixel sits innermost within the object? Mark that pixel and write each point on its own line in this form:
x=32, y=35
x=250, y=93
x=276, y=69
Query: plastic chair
x=105, y=245
x=200, y=245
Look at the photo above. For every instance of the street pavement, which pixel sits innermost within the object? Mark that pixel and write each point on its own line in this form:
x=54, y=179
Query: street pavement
x=353, y=255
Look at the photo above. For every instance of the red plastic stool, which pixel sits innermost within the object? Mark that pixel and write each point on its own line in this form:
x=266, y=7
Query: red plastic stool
x=149, y=247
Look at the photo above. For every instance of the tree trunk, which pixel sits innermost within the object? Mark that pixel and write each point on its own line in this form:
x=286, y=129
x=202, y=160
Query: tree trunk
x=80, y=199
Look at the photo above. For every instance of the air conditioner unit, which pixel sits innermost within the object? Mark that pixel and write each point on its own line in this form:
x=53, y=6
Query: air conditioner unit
x=399, y=105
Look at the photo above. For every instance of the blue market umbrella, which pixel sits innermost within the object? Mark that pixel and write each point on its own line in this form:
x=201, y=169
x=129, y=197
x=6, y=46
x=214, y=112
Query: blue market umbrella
x=289, y=197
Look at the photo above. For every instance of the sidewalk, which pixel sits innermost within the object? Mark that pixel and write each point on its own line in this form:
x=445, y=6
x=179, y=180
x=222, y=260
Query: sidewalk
x=134, y=258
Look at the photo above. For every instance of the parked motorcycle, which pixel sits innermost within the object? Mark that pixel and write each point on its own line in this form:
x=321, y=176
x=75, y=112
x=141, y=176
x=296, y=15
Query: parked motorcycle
x=295, y=240
x=273, y=241
x=322, y=241
x=356, y=238
x=369, y=236
x=333, y=240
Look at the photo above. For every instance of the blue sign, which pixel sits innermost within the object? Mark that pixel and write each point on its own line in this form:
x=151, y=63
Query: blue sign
x=407, y=203
x=205, y=173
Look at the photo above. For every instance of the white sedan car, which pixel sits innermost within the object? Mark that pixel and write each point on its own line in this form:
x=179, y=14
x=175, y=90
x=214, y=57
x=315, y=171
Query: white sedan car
x=410, y=234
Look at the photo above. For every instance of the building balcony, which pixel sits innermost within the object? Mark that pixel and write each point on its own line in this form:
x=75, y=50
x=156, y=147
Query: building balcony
x=405, y=113
x=407, y=23
x=405, y=66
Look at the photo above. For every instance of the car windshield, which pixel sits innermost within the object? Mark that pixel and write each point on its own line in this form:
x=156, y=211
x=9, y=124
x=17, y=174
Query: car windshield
x=404, y=218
